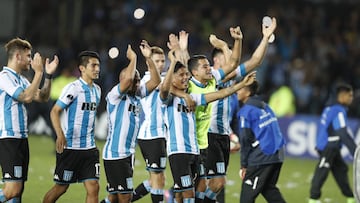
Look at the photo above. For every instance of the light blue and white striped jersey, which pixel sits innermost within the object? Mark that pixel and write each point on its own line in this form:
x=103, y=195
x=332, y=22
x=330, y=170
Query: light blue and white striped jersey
x=220, y=117
x=13, y=115
x=153, y=125
x=123, y=113
x=79, y=101
x=181, y=126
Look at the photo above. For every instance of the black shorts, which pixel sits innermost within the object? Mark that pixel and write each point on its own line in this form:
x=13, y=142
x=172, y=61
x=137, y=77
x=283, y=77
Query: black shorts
x=217, y=159
x=202, y=160
x=184, y=169
x=77, y=166
x=154, y=153
x=14, y=159
x=119, y=175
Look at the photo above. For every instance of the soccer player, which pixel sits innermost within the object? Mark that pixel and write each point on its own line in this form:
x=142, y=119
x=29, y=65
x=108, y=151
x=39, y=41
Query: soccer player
x=151, y=137
x=77, y=157
x=15, y=92
x=123, y=109
x=204, y=80
x=262, y=147
x=331, y=135
x=218, y=136
x=182, y=145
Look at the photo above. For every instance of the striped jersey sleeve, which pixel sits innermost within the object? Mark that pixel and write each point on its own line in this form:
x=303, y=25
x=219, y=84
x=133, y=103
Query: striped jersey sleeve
x=13, y=115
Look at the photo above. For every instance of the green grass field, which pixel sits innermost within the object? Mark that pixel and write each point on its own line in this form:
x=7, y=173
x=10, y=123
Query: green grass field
x=294, y=180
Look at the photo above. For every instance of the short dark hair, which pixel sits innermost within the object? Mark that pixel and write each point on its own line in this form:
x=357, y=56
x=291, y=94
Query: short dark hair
x=178, y=65
x=342, y=87
x=84, y=56
x=253, y=88
x=215, y=52
x=193, y=61
x=16, y=44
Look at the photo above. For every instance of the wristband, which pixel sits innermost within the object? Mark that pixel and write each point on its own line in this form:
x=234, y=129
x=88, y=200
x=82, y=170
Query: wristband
x=48, y=76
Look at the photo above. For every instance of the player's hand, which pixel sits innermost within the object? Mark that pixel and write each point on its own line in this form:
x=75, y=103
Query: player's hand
x=50, y=67
x=190, y=103
x=145, y=49
x=249, y=78
x=217, y=43
x=171, y=56
x=130, y=54
x=183, y=40
x=236, y=33
x=173, y=42
x=268, y=31
x=60, y=144
x=242, y=173
x=37, y=63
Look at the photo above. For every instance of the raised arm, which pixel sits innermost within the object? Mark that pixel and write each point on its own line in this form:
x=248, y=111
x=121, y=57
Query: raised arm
x=258, y=55
x=43, y=94
x=221, y=45
x=234, y=60
x=249, y=79
x=127, y=75
x=180, y=45
x=29, y=93
x=166, y=84
x=154, y=72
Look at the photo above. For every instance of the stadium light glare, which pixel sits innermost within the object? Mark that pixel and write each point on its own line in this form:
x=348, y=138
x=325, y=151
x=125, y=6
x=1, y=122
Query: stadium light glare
x=139, y=13
x=113, y=52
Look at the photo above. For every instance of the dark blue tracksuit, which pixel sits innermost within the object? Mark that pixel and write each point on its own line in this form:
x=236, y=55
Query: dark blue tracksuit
x=332, y=133
x=262, y=151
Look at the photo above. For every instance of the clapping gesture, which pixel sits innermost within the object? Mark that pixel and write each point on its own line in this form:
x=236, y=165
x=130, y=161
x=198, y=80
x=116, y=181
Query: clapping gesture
x=50, y=67
x=236, y=33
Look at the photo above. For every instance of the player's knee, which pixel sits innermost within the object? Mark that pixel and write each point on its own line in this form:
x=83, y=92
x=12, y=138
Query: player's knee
x=216, y=184
x=93, y=188
x=12, y=191
x=158, y=180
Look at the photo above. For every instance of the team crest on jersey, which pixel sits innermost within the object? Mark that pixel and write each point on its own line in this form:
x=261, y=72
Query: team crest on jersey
x=18, y=171
x=67, y=175
x=129, y=183
x=70, y=97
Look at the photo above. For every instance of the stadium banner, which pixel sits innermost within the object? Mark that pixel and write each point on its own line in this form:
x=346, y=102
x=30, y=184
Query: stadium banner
x=300, y=132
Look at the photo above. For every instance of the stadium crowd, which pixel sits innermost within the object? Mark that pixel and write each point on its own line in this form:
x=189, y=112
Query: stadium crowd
x=316, y=42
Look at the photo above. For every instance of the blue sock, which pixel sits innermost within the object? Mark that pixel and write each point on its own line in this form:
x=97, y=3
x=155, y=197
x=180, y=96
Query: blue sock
x=2, y=196
x=14, y=200
x=200, y=195
x=189, y=200
x=210, y=194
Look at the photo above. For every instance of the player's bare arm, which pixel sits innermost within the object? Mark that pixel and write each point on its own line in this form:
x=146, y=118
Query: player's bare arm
x=43, y=94
x=248, y=80
x=27, y=95
x=154, y=73
x=127, y=75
